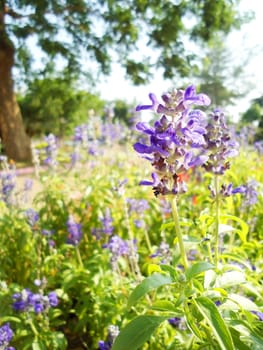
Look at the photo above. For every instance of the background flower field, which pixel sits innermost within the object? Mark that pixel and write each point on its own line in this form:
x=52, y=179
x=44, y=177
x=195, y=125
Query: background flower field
x=79, y=236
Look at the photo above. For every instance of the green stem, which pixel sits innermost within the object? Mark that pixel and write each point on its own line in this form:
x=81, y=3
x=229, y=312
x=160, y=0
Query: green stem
x=79, y=256
x=178, y=232
x=217, y=214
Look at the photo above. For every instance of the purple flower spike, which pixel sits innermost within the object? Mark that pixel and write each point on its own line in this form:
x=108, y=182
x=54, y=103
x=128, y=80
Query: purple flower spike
x=152, y=107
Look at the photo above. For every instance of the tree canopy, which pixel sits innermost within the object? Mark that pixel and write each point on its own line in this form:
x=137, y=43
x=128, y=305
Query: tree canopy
x=105, y=30
x=81, y=35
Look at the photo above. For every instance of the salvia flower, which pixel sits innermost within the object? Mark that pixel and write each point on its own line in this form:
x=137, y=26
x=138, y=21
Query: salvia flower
x=227, y=190
x=250, y=193
x=176, y=140
x=31, y=216
x=74, y=231
x=220, y=144
x=120, y=248
x=137, y=205
x=113, y=332
x=107, y=221
x=8, y=182
x=164, y=253
x=36, y=302
x=51, y=151
x=175, y=321
x=259, y=147
x=6, y=335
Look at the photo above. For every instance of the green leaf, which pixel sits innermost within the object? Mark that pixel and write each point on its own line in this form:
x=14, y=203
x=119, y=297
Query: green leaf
x=212, y=316
x=37, y=345
x=164, y=305
x=230, y=278
x=152, y=282
x=243, y=232
x=137, y=332
x=198, y=268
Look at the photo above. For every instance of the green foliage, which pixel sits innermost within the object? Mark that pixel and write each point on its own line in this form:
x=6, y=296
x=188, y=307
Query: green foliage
x=54, y=105
x=214, y=305
x=69, y=31
x=254, y=113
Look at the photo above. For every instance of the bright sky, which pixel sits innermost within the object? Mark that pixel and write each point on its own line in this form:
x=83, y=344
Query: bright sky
x=116, y=86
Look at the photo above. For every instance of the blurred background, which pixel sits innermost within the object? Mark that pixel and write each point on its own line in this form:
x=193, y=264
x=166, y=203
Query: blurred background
x=63, y=62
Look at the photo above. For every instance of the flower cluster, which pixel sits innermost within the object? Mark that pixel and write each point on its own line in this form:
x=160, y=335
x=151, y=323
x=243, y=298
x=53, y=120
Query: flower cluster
x=107, y=227
x=119, y=247
x=183, y=138
x=176, y=140
x=6, y=335
x=51, y=151
x=74, y=231
x=164, y=253
x=31, y=216
x=219, y=144
x=37, y=302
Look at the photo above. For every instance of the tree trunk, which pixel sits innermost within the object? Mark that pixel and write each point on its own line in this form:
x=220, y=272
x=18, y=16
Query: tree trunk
x=15, y=142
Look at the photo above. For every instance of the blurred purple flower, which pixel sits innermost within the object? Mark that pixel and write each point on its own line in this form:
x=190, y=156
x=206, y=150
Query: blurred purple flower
x=31, y=216
x=6, y=335
x=37, y=302
x=74, y=231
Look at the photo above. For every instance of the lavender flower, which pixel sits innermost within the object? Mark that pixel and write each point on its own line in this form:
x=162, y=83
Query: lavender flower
x=176, y=141
x=6, y=335
x=74, y=231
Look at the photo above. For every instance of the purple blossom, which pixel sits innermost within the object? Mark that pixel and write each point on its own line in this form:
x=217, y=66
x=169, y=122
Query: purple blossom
x=8, y=182
x=175, y=144
x=37, y=302
x=74, y=231
x=259, y=147
x=152, y=106
x=137, y=205
x=51, y=151
x=259, y=314
x=113, y=332
x=6, y=335
x=163, y=252
x=175, y=321
x=220, y=144
x=250, y=193
x=107, y=221
x=28, y=184
x=31, y=216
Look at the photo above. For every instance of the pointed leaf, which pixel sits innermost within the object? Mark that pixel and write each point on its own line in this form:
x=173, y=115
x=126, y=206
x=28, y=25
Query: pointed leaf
x=212, y=316
x=152, y=282
x=137, y=332
x=198, y=268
